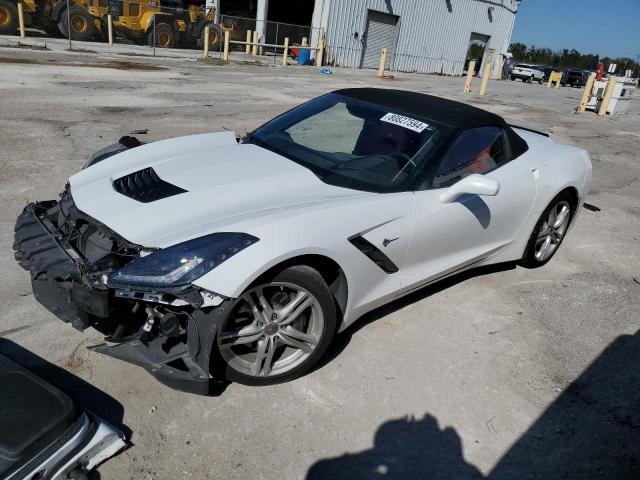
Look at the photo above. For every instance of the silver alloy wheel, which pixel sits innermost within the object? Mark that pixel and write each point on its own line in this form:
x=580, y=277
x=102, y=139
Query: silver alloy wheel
x=271, y=329
x=552, y=230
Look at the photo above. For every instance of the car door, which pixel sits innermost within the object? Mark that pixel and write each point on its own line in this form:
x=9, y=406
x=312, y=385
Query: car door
x=448, y=237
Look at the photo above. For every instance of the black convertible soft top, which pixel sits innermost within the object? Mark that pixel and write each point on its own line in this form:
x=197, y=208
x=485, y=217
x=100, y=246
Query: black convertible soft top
x=449, y=112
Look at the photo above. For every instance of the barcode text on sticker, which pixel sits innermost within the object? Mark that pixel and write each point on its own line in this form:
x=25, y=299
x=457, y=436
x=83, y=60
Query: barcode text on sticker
x=406, y=122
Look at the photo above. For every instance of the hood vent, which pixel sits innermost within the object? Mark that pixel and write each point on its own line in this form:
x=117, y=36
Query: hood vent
x=145, y=186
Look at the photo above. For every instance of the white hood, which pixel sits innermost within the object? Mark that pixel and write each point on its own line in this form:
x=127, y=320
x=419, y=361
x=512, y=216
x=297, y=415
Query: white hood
x=225, y=182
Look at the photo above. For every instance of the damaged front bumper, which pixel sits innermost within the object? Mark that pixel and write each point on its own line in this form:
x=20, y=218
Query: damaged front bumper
x=170, y=333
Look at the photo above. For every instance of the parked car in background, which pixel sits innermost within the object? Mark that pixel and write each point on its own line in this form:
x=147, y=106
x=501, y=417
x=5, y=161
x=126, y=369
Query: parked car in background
x=527, y=73
x=574, y=77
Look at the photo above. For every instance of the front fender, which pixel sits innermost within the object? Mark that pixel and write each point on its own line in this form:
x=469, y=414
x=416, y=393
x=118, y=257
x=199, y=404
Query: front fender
x=325, y=230
x=233, y=277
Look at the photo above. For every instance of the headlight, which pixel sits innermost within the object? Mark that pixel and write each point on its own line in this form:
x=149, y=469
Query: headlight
x=181, y=264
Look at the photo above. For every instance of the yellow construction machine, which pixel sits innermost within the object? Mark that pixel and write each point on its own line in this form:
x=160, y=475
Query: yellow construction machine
x=52, y=17
x=177, y=22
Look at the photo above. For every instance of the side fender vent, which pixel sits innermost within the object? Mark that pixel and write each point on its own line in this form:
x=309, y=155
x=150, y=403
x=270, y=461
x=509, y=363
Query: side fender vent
x=145, y=186
x=374, y=254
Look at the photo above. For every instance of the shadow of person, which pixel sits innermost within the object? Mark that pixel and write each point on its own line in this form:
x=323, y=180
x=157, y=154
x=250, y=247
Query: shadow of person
x=592, y=431
x=83, y=393
x=404, y=448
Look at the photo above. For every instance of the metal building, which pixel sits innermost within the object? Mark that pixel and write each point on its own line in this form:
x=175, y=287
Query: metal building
x=426, y=36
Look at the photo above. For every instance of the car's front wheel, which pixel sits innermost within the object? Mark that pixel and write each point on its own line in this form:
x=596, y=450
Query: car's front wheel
x=277, y=329
x=549, y=231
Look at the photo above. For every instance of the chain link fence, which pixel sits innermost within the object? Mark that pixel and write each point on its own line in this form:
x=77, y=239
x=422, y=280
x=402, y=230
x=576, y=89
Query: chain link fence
x=144, y=23
x=267, y=33
x=159, y=24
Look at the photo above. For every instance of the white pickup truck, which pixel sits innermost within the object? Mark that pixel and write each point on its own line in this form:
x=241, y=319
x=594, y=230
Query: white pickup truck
x=526, y=73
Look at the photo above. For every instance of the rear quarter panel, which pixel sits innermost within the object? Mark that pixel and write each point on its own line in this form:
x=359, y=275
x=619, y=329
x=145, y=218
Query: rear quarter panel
x=556, y=167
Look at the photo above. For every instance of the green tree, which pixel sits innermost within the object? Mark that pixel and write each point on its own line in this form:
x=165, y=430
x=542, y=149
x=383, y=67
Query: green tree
x=519, y=51
x=568, y=58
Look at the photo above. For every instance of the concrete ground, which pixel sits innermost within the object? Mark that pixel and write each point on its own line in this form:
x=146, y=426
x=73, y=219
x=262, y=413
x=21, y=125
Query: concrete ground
x=455, y=381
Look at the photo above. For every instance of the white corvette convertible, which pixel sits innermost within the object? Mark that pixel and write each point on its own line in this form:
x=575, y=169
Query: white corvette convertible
x=207, y=257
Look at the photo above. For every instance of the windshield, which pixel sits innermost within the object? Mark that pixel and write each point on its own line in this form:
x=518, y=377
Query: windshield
x=353, y=144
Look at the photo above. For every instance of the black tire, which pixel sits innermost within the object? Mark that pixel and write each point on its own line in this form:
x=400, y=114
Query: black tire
x=309, y=279
x=215, y=37
x=540, y=81
x=8, y=18
x=82, y=27
x=512, y=78
x=165, y=36
x=529, y=259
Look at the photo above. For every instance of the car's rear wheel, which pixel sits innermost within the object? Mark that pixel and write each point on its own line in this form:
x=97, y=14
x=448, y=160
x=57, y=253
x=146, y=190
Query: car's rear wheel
x=549, y=231
x=277, y=329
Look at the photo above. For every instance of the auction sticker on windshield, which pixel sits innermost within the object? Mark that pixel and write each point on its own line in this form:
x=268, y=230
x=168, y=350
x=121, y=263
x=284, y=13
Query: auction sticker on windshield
x=406, y=122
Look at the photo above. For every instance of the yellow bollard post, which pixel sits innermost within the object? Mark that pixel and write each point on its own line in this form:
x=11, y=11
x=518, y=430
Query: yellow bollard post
x=485, y=78
x=247, y=48
x=285, y=53
x=319, y=53
x=254, y=48
x=383, y=62
x=470, y=70
x=586, y=94
x=225, y=55
x=110, y=29
x=500, y=67
x=21, y=20
x=551, y=75
x=608, y=92
x=205, y=53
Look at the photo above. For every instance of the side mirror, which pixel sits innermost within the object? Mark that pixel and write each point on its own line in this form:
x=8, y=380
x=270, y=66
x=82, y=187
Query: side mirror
x=474, y=184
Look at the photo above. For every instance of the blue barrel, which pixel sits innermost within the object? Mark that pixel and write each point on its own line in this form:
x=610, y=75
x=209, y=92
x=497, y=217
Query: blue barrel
x=304, y=56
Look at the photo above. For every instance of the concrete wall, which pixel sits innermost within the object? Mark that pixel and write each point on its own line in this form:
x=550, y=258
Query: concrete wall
x=433, y=34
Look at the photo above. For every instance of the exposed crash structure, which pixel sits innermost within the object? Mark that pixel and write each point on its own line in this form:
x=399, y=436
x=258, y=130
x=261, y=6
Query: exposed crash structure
x=71, y=255
x=209, y=257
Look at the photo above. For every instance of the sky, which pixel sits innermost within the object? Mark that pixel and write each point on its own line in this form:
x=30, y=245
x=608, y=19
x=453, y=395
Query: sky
x=559, y=24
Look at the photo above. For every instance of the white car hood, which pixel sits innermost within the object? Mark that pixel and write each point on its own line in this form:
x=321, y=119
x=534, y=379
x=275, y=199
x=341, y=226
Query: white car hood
x=226, y=183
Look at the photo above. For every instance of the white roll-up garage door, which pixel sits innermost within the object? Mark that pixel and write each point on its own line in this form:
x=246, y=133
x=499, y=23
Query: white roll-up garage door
x=382, y=32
